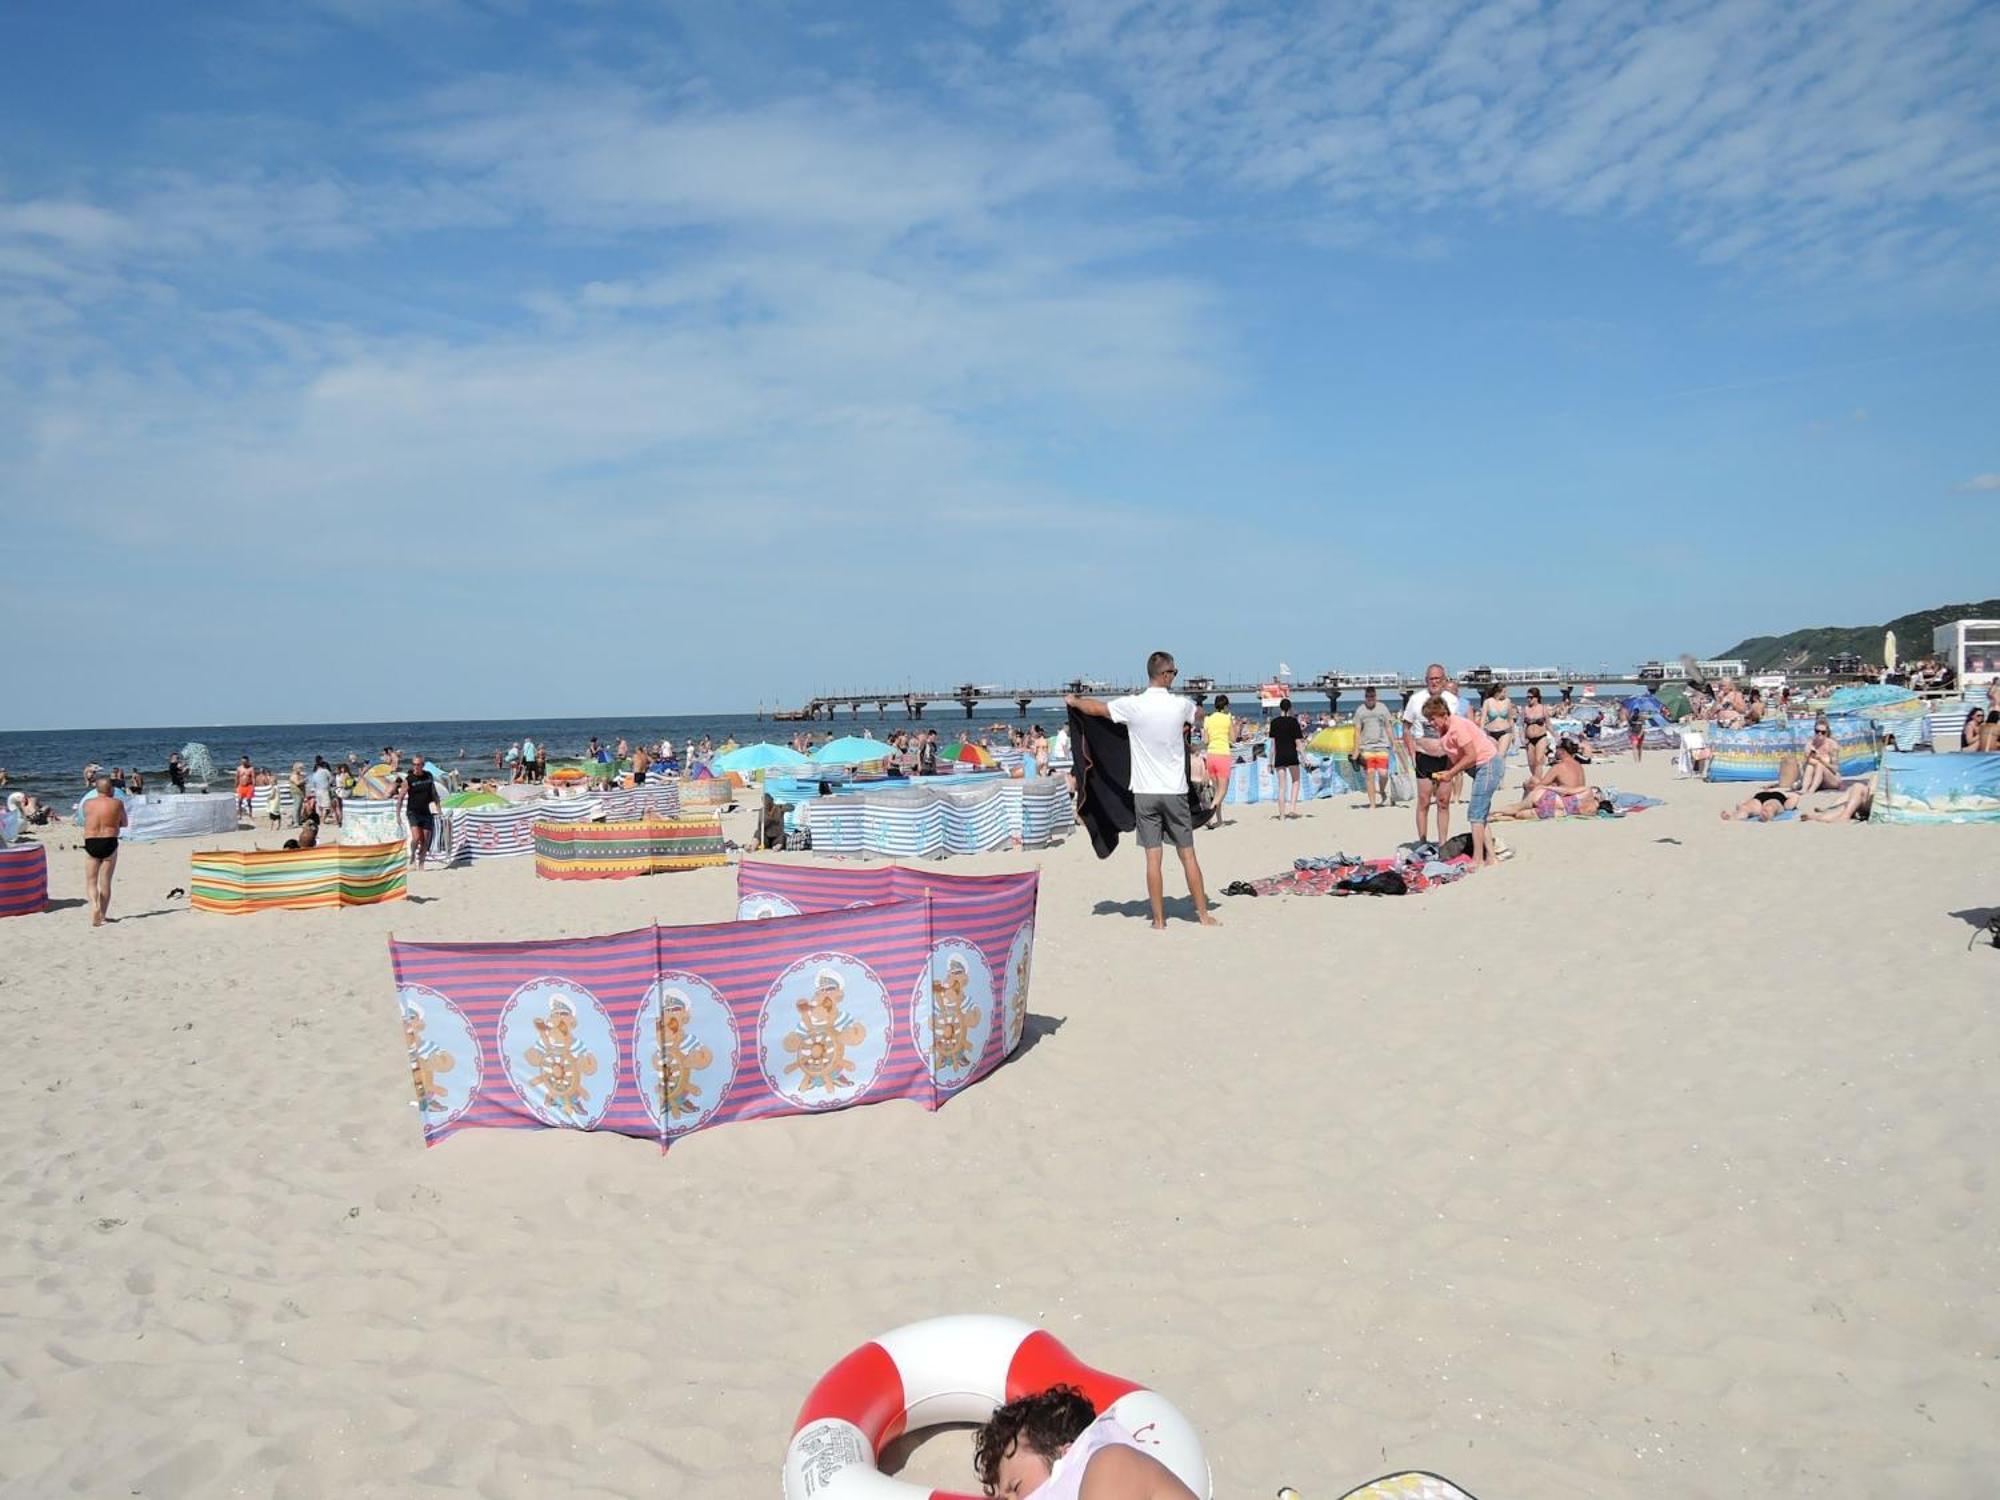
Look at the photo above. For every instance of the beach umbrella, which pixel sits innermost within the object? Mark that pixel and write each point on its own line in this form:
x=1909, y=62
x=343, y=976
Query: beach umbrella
x=1335, y=739
x=1889, y=649
x=569, y=775
x=968, y=754
x=1645, y=703
x=377, y=779
x=762, y=756
x=850, y=751
x=475, y=799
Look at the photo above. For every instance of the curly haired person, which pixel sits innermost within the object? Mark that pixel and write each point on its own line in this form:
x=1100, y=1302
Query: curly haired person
x=1054, y=1446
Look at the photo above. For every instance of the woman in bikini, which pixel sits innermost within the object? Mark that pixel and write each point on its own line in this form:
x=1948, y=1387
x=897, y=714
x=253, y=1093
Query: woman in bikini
x=1822, y=772
x=1535, y=731
x=1496, y=716
x=1761, y=807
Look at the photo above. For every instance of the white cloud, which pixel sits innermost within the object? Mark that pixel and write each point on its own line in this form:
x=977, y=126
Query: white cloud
x=1980, y=483
x=1835, y=139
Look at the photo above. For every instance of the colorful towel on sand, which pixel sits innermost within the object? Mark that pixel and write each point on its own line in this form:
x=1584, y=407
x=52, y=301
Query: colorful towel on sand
x=1323, y=877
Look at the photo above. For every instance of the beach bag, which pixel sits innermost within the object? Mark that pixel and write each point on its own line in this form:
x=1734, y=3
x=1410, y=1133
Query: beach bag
x=1402, y=787
x=1458, y=846
x=1383, y=883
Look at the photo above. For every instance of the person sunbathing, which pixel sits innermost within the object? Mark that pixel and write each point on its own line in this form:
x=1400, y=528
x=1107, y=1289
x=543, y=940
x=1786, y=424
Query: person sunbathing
x=1761, y=807
x=1856, y=805
x=1054, y=1446
x=1560, y=790
x=1822, y=768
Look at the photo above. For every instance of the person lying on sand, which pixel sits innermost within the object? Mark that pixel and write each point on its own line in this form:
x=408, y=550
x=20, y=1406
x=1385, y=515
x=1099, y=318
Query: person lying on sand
x=1054, y=1446
x=1762, y=806
x=1856, y=805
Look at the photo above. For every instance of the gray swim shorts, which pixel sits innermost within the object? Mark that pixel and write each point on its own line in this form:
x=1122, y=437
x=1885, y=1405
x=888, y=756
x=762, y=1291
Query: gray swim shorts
x=1163, y=817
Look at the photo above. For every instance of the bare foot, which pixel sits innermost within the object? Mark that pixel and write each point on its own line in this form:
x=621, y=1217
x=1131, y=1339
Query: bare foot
x=1159, y=927
x=1208, y=919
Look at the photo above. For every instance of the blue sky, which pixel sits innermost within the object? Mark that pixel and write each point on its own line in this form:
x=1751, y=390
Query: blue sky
x=425, y=358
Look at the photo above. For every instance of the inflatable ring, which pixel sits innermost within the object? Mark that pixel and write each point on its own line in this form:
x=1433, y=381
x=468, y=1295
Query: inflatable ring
x=957, y=1369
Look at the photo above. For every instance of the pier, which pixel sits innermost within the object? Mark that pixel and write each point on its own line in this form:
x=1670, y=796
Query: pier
x=912, y=702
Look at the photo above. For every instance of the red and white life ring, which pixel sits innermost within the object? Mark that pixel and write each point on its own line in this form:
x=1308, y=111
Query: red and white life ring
x=957, y=1369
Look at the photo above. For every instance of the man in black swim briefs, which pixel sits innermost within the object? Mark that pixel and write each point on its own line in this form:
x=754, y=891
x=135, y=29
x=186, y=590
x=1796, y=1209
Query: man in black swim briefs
x=103, y=817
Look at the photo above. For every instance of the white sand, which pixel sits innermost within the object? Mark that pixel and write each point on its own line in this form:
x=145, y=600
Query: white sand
x=1653, y=1163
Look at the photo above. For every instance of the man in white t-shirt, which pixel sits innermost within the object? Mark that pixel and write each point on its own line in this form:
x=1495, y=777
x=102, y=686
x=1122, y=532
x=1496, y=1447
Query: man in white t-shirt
x=1157, y=722
x=1427, y=753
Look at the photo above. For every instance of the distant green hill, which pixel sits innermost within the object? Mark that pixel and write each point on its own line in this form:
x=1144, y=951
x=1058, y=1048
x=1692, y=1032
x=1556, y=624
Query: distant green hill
x=1811, y=648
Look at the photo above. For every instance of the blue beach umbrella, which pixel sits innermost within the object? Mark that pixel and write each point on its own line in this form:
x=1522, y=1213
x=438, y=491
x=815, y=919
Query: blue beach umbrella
x=1647, y=703
x=759, y=757
x=850, y=751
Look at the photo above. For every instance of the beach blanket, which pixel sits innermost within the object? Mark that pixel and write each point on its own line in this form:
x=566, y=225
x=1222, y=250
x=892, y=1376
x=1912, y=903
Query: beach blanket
x=1338, y=875
x=1550, y=807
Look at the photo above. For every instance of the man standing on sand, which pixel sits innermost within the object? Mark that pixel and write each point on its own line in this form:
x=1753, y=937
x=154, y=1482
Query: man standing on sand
x=103, y=817
x=1427, y=753
x=1157, y=721
x=1374, y=734
x=420, y=805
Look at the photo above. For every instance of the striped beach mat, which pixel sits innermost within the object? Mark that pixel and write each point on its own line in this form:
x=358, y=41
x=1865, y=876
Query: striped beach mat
x=234, y=882
x=618, y=850
x=24, y=879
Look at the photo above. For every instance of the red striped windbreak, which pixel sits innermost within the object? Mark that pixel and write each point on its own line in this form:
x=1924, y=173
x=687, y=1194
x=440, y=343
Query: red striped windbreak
x=667, y=1030
x=24, y=879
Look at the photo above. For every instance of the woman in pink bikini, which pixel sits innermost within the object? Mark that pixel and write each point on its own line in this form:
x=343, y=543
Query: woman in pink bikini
x=1054, y=1446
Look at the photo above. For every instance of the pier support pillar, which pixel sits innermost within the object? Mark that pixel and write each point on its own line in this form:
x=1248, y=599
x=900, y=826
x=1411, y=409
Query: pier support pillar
x=1021, y=705
x=970, y=705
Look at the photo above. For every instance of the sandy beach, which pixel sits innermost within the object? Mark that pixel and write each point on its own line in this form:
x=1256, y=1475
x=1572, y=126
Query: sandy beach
x=1654, y=1163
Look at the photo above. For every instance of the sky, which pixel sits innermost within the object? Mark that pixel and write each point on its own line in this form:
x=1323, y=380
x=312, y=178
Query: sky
x=391, y=359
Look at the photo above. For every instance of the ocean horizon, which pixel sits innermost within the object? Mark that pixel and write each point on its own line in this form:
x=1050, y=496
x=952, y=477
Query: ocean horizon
x=50, y=762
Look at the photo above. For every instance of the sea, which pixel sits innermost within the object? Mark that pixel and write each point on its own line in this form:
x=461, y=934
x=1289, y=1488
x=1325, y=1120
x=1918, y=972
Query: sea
x=49, y=763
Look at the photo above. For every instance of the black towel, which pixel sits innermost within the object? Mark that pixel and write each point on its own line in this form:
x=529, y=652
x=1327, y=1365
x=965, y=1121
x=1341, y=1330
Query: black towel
x=1101, y=756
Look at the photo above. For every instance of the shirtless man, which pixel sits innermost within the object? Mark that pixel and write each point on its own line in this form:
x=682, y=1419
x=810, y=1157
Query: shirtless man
x=103, y=816
x=1559, y=788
